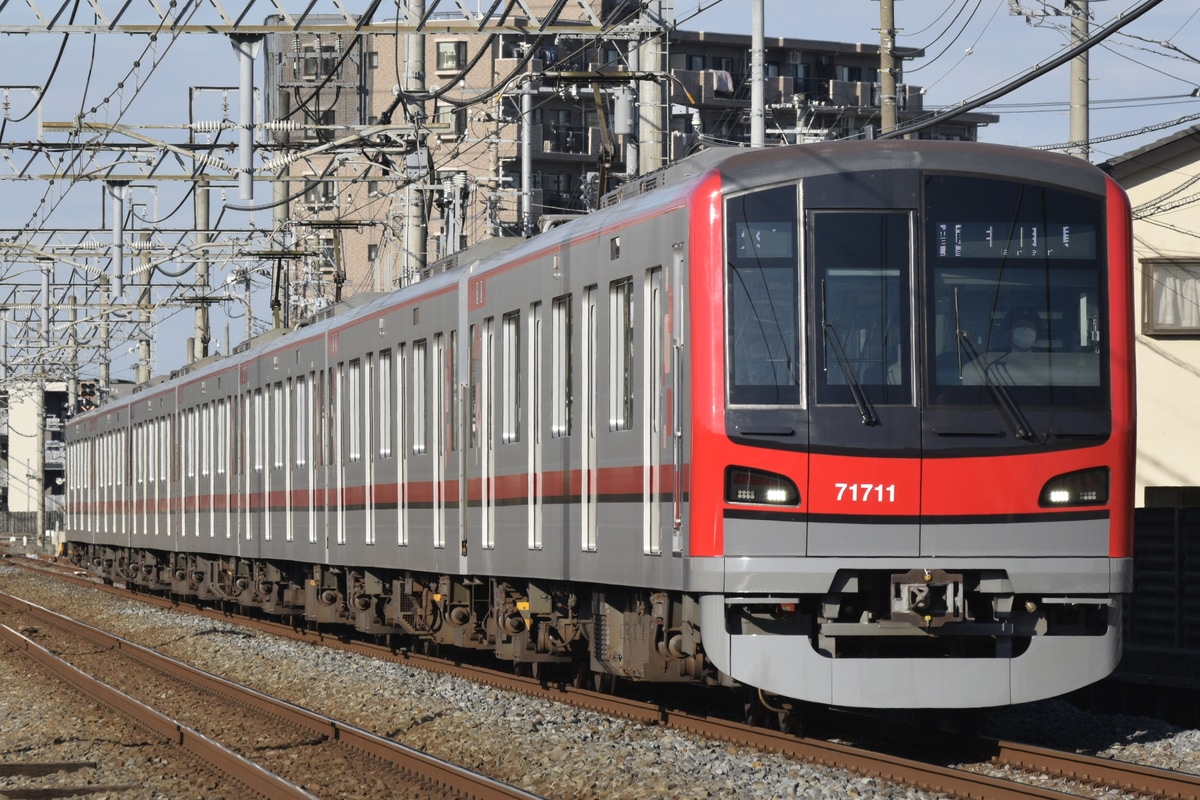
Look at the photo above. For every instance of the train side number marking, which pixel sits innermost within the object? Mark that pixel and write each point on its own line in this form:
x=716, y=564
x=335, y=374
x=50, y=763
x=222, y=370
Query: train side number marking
x=862, y=492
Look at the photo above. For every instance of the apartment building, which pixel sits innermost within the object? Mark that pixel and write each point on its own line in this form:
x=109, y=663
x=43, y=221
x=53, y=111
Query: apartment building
x=395, y=166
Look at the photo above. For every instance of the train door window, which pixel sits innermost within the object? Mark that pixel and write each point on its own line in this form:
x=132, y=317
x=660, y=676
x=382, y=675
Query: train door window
x=511, y=378
x=560, y=379
x=620, y=331
x=318, y=417
x=862, y=306
x=206, y=440
x=278, y=427
x=385, y=410
x=258, y=430
x=302, y=414
x=164, y=442
x=239, y=455
x=189, y=443
x=418, y=398
x=534, y=485
x=762, y=298
x=222, y=437
x=588, y=441
x=354, y=411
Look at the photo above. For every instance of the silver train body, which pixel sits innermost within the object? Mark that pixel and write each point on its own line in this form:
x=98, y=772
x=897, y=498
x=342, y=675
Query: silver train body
x=555, y=452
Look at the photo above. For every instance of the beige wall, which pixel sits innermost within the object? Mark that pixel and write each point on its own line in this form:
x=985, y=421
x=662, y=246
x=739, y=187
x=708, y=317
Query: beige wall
x=1168, y=368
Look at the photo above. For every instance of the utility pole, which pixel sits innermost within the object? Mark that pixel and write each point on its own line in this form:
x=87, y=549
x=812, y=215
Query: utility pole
x=1079, y=82
x=887, y=66
x=758, y=124
x=144, y=316
x=201, y=336
x=415, y=224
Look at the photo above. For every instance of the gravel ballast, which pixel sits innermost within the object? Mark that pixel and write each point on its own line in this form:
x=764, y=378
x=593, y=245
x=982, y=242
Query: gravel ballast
x=550, y=749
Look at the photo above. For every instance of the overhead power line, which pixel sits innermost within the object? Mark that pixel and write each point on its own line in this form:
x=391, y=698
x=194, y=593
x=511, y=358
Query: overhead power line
x=1036, y=72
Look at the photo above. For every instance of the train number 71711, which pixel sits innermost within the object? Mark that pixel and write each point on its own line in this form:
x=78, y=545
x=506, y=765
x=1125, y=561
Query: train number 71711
x=862, y=492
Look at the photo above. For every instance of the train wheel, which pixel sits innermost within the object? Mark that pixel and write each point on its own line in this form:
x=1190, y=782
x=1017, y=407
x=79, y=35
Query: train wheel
x=604, y=682
x=786, y=716
x=581, y=674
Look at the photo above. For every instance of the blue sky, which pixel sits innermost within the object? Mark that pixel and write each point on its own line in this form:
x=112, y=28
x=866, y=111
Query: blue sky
x=973, y=46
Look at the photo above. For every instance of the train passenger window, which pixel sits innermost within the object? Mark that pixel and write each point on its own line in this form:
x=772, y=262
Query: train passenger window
x=221, y=437
x=560, y=387
x=861, y=306
x=259, y=421
x=1016, y=284
x=762, y=298
x=385, y=410
x=419, y=381
x=511, y=411
x=279, y=426
x=354, y=410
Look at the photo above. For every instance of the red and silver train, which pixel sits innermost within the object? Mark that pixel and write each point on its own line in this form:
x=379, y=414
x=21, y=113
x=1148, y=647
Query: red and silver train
x=850, y=423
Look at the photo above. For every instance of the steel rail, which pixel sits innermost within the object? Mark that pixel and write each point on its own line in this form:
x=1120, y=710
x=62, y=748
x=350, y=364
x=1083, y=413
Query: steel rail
x=245, y=772
x=458, y=781
x=1134, y=778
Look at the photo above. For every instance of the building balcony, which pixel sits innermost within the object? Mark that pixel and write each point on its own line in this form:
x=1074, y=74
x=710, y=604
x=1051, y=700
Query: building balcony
x=714, y=87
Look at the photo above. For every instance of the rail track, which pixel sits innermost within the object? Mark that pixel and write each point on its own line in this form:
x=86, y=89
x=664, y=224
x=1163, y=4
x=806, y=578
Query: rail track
x=1021, y=765
x=335, y=756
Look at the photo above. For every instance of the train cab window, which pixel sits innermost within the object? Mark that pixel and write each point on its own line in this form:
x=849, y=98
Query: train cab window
x=762, y=298
x=1016, y=283
x=861, y=306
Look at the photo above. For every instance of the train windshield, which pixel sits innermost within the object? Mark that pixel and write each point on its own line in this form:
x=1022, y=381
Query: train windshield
x=1015, y=278
x=763, y=269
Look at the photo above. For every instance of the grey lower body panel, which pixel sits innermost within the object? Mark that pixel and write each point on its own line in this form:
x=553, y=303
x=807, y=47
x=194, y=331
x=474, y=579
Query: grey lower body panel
x=798, y=575
x=789, y=666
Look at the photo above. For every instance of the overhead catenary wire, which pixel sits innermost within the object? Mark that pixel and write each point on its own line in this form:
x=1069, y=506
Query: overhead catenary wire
x=1036, y=72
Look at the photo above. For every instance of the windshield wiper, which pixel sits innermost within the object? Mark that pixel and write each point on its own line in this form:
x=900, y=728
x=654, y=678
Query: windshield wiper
x=1004, y=401
x=865, y=409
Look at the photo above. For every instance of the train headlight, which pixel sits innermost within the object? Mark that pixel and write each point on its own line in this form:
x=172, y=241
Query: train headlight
x=1087, y=487
x=745, y=485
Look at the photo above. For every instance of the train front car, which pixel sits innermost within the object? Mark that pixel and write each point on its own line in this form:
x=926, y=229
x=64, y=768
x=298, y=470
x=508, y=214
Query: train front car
x=912, y=423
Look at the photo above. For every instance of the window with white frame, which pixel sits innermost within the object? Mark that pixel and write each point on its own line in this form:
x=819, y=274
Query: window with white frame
x=511, y=378
x=1171, y=297
x=385, y=411
x=560, y=380
x=354, y=412
x=451, y=55
x=418, y=395
x=620, y=380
